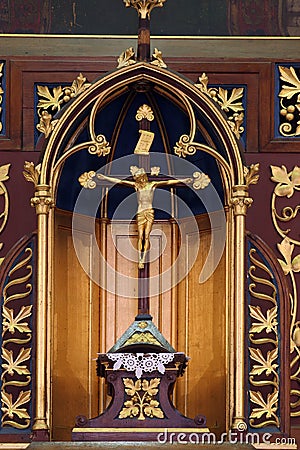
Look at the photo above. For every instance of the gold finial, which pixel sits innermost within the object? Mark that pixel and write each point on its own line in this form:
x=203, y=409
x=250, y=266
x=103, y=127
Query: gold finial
x=144, y=7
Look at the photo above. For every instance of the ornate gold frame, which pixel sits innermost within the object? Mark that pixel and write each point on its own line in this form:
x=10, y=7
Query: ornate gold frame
x=236, y=179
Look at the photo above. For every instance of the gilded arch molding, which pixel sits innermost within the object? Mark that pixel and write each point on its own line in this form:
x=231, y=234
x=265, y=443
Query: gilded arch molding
x=119, y=79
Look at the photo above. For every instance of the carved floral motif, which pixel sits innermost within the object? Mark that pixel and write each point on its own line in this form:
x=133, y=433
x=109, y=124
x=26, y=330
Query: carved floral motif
x=141, y=400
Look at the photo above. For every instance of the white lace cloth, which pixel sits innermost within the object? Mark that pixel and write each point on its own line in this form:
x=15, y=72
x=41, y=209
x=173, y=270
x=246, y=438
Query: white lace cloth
x=141, y=362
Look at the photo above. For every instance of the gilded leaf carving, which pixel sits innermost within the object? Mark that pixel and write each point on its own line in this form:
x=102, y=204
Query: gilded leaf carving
x=267, y=323
x=15, y=365
x=31, y=172
x=79, y=85
x=16, y=329
x=263, y=333
x=229, y=101
x=251, y=174
x=267, y=408
x=131, y=386
x=142, y=402
x=127, y=58
x=46, y=124
x=11, y=323
x=48, y=100
x=266, y=365
x=289, y=101
x=129, y=410
x=287, y=184
x=53, y=101
x=289, y=76
x=13, y=408
x=289, y=264
x=153, y=410
x=151, y=387
x=4, y=172
x=203, y=83
x=158, y=59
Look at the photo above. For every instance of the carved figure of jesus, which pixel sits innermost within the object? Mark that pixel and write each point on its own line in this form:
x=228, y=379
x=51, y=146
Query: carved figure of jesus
x=145, y=212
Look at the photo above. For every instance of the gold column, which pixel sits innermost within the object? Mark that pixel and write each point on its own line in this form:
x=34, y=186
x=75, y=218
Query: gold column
x=103, y=306
x=240, y=202
x=42, y=202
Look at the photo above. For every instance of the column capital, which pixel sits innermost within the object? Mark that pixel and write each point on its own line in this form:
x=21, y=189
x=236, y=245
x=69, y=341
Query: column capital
x=42, y=201
x=240, y=200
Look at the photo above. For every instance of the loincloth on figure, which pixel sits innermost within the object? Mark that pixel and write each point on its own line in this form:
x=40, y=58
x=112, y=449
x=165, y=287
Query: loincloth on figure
x=145, y=217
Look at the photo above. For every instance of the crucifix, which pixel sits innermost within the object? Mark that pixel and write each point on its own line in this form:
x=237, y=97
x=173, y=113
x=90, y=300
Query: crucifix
x=145, y=185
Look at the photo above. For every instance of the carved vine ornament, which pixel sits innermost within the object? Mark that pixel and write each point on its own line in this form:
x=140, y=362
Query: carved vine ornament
x=16, y=375
x=263, y=335
x=52, y=101
x=287, y=185
x=230, y=103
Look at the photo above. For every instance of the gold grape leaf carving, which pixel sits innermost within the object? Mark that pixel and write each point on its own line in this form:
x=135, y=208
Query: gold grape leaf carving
x=289, y=76
x=287, y=181
x=230, y=102
x=13, y=408
x=15, y=365
x=264, y=365
x=288, y=264
x=4, y=172
x=268, y=407
x=142, y=402
x=11, y=323
x=267, y=323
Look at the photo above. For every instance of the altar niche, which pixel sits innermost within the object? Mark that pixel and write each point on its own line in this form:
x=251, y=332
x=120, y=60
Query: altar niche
x=191, y=316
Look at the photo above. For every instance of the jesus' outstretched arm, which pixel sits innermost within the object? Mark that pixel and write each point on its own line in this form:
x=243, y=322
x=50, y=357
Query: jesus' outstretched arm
x=100, y=176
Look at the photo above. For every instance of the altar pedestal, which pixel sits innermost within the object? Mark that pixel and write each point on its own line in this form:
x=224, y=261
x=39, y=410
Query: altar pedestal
x=141, y=408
